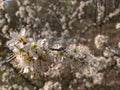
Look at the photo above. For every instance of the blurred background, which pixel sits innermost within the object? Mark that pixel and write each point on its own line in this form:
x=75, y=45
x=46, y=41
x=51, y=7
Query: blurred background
x=78, y=20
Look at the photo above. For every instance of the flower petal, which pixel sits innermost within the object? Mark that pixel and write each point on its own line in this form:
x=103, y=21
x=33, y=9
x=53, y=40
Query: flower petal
x=13, y=34
x=23, y=32
x=11, y=42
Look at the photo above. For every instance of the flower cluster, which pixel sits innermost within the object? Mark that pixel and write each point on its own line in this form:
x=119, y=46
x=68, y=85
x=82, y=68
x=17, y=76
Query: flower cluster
x=38, y=57
x=101, y=41
x=28, y=52
x=52, y=52
x=117, y=26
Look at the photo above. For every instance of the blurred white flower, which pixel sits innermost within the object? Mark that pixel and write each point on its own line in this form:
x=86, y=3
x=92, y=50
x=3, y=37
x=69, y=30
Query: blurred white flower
x=100, y=41
x=89, y=71
x=117, y=26
x=119, y=45
x=21, y=12
x=118, y=62
x=26, y=69
x=97, y=79
x=5, y=28
x=73, y=2
x=107, y=52
x=3, y=5
x=52, y=86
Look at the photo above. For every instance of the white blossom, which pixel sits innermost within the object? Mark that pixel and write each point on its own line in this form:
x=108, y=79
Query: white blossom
x=117, y=26
x=119, y=45
x=100, y=41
